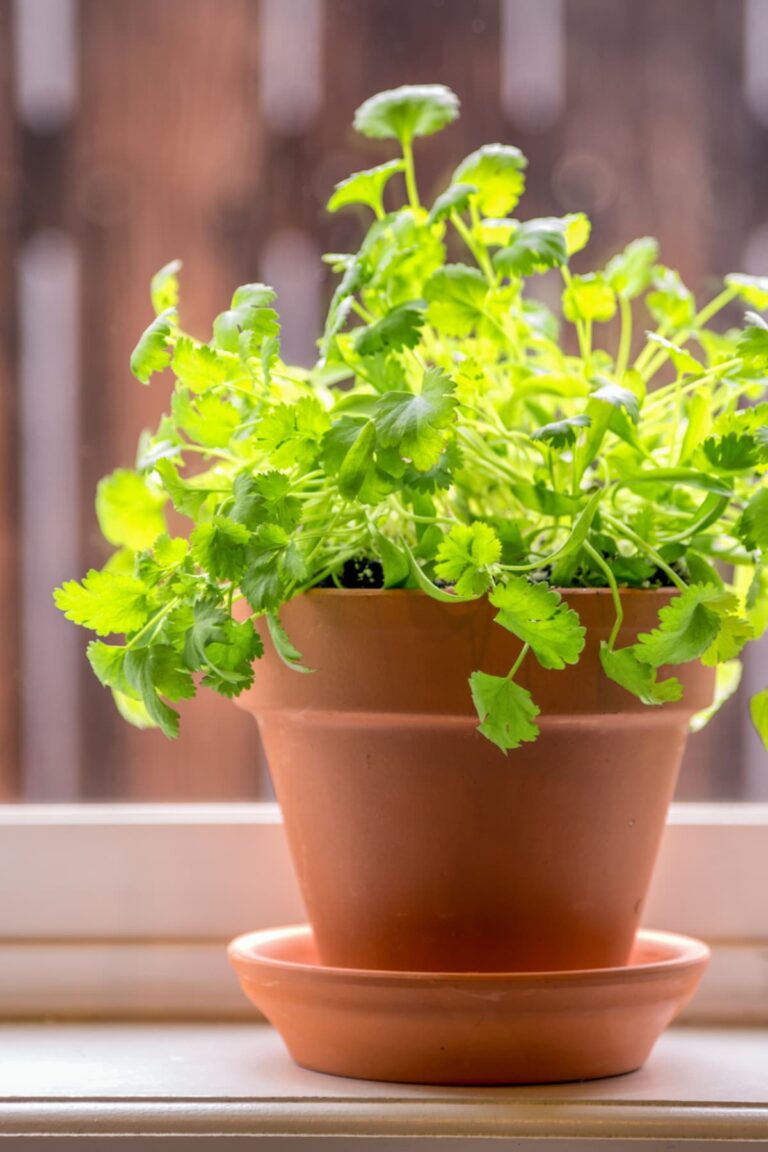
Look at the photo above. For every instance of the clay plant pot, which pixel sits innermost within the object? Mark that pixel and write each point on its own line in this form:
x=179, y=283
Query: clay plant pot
x=419, y=846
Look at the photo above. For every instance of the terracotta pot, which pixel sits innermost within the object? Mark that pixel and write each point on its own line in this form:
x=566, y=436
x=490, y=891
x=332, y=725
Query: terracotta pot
x=418, y=844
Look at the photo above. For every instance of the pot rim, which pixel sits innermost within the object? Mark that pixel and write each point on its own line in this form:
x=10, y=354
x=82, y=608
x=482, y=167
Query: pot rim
x=579, y=592
x=685, y=951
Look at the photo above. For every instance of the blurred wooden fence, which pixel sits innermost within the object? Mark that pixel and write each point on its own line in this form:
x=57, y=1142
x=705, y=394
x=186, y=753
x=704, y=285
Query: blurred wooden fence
x=214, y=131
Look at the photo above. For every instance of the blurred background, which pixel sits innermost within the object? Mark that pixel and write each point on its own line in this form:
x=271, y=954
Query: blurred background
x=136, y=131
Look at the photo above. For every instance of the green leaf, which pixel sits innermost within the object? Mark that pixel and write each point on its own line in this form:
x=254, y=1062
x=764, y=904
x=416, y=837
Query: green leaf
x=456, y=198
x=589, y=298
x=105, y=602
x=393, y=560
x=752, y=343
x=734, y=633
x=670, y=302
x=129, y=510
x=535, y=246
x=578, y=229
x=467, y=557
x=734, y=452
x=263, y=498
x=752, y=528
x=209, y=618
x=618, y=397
x=758, y=710
x=406, y=112
x=153, y=672
x=434, y=591
x=727, y=680
x=366, y=187
x=107, y=662
x=682, y=359
x=229, y=661
x=357, y=461
x=506, y=711
x=496, y=171
x=292, y=433
x=414, y=423
x=630, y=272
x=187, y=496
x=197, y=366
x=457, y=296
x=753, y=290
x=285, y=649
x=698, y=424
x=152, y=353
x=688, y=626
x=538, y=616
x=164, y=287
x=400, y=328
x=262, y=583
x=208, y=420
x=622, y=666
x=561, y=433
x=219, y=547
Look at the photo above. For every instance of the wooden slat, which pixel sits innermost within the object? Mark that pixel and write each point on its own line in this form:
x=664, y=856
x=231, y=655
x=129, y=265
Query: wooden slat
x=168, y=156
x=9, y=222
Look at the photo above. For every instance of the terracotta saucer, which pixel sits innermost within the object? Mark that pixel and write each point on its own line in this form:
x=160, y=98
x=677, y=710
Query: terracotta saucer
x=467, y=1028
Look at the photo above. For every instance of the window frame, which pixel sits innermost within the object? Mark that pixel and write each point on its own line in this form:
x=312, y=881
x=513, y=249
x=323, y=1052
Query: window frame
x=125, y=909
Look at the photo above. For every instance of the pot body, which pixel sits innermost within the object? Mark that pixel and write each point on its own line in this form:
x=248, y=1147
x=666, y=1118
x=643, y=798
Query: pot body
x=418, y=844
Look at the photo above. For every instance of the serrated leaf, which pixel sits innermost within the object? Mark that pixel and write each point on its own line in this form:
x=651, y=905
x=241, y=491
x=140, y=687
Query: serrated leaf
x=264, y=497
x=153, y=672
x=229, y=660
x=186, y=496
x=506, y=711
x=106, y=602
x=152, y=352
x=414, y=423
x=207, y=420
x=456, y=296
x=538, y=616
x=197, y=366
x=496, y=171
x=467, y=557
x=164, y=287
x=618, y=397
x=622, y=666
x=129, y=510
x=366, y=187
x=535, y=246
x=688, y=626
x=357, y=461
x=219, y=547
x=406, y=112
x=400, y=328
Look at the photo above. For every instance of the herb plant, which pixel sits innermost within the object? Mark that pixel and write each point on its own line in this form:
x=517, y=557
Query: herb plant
x=448, y=439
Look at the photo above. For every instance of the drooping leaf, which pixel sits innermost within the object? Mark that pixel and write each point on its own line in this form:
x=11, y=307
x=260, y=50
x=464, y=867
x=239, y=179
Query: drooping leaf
x=622, y=666
x=285, y=648
x=688, y=626
x=506, y=711
x=538, y=616
x=535, y=246
x=561, y=433
x=219, y=546
x=455, y=199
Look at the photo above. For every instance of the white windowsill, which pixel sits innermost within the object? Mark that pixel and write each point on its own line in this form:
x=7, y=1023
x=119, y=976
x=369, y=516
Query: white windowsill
x=236, y=1079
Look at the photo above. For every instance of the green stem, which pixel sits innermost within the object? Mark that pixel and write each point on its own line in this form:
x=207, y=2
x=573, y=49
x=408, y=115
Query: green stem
x=645, y=547
x=615, y=596
x=153, y=621
x=625, y=340
x=478, y=250
x=410, y=175
x=513, y=670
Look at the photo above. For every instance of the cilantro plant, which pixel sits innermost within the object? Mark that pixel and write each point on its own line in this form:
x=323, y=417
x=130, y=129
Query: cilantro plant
x=451, y=438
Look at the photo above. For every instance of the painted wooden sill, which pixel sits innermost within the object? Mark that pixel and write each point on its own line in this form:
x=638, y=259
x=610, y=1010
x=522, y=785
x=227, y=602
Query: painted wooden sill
x=235, y=1079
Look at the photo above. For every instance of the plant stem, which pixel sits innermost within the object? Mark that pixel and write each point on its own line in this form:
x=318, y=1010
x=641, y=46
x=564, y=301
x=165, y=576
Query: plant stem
x=478, y=251
x=615, y=596
x=410, y=175
x=645, y=547
x=625, y=340
x=513, y=670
